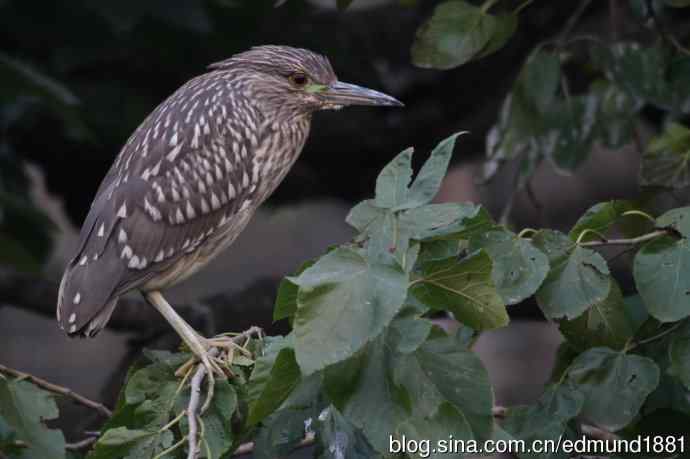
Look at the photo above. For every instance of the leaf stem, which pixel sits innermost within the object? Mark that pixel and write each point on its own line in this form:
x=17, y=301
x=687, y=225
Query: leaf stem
x=171, y=449
x=632, y=345
x=586, y=231
x=640, y=213
x=522, y=7
x=525, y=231
x=487, y=5
x=54, y=388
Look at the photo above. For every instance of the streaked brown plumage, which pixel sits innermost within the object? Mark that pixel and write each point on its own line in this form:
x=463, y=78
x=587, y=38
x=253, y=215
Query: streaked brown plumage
x=190, y=177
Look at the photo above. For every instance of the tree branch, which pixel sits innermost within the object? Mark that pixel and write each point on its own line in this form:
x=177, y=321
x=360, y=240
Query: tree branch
x=197, y=380
x=632, y=241
x=54, y=388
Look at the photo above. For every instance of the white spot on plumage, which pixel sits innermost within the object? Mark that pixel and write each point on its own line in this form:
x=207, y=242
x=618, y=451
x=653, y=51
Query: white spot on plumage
x=175, y=194
x=173, y=153
x=83, y=260
x=190, y=211
x=173, y=140
x=231, y=191
x=133, y=262
x=219, y=173
x=185, y=244
x=73, y=316
x=195, y=139
x=122, y=236
x=204, y=206
x=75, y=300
x=215, y=203
x=101, y=230
x=179, y=218
x=209, y=179
x=160, y=256
x=152, y=210
x=126, y=252
x=73, y=328
x=245, y=179
x=122, y=211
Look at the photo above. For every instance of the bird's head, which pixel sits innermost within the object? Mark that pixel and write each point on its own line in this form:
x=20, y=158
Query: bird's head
x=295, y=80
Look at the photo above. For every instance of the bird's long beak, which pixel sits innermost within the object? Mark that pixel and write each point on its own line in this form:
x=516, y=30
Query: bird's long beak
x=342, y=94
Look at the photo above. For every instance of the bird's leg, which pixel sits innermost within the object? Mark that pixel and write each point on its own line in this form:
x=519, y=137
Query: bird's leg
x=197, y=344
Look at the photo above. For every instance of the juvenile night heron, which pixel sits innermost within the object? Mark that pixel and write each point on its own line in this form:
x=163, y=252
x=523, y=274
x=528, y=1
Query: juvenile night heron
x=191, y=176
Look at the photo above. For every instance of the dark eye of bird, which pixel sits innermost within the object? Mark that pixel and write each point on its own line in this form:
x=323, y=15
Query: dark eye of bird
x=299, y=79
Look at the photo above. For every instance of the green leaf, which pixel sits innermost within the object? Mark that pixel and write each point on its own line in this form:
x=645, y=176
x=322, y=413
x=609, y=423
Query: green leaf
x=456, y=33
x=408, y=330
x=660, y=269
x=615, y=385
x=343, y=303
x=286, y=298
x=470, y=220
x=392, y=182
x=343, y=4
x=25, y=408
x=506, y=25
x=339, y=439
x=604, y=324
x=547, y=418
x=528, y=126
x=579, y=277
x=677, y=220
x=617, y=114
x=122, y=442
x=599, y=218
x=679, y=354
x=465, y=288
x=518, y=267
x=447, y=422
x=281, y=432
x=443, y=370
x=428, y=181
x=364, y=214
x=363, y=391
x=648, y=74
x=666, y=163
x=283, y=378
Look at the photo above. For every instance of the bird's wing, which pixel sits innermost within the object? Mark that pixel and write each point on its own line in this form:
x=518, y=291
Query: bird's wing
x=184, y=174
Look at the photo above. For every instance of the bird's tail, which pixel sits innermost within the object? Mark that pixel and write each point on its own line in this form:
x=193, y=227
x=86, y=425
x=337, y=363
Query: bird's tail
x=85, y=298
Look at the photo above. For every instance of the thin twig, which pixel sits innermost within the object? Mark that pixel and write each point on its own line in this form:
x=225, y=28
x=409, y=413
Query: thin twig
x=42, y=383
x=81, y=444
x=247, y=448
x=197, y=380
x=631, y=241
x=193, y=407
x=633, y=344
x=572, y=21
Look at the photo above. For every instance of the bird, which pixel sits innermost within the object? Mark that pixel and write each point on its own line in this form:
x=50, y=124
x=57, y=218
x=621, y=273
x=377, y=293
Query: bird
x=189, y=178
